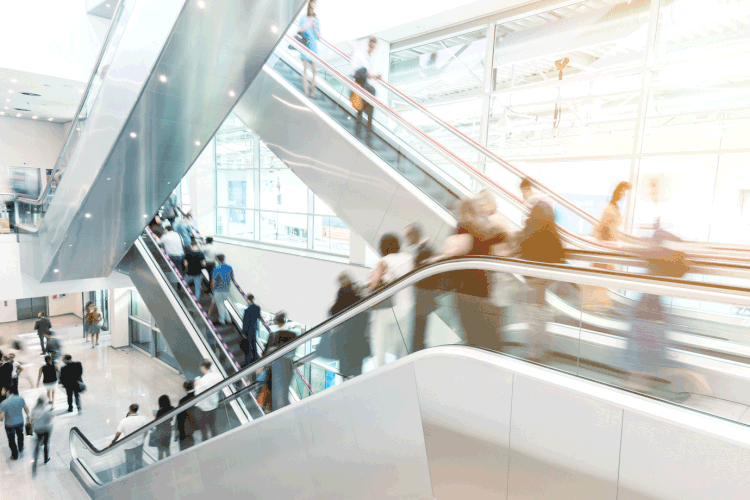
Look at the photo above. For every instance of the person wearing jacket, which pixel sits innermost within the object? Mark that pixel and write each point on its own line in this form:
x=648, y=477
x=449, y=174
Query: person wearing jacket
x=281, y=368
x=187, y=423
x=71, y=377
x=42, y=326
x=250, y=320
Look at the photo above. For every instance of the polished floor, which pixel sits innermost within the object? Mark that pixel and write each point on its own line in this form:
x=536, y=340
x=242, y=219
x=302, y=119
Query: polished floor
x=115, y=378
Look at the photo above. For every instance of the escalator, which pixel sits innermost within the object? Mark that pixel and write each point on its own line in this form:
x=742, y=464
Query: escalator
x=477, y=355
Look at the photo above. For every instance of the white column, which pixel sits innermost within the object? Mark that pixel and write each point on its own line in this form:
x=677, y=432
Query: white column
x=119, y=306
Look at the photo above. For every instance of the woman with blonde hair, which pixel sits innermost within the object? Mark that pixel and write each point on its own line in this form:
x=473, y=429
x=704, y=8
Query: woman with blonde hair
x=94, y=324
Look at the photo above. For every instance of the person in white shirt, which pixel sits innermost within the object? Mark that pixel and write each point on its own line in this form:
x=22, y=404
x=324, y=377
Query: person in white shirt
x=207, y=407
x=134, y=449
x=172, y=243
x=362, y=73
x=209, y=254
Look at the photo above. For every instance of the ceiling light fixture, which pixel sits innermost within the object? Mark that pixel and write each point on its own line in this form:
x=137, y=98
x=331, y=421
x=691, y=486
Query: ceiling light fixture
x=88, y=216
x=133, y=135
x=197, y=143
x=18, y=115
x=145, y=216
x=13, y=80
x=2, y=113
x=7, y=100
x=163, y=78
x=57, y=270
x=274, y=29
x=34, y=117
x=80, y=90
x=231, y=93
x=50, y=119
x=10, y=91
x=109, y=6
x=201, y=4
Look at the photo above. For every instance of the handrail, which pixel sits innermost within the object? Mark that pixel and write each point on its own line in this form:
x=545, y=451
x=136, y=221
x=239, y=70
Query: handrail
x=591, y=219
x=102, y=51
x=596, y=277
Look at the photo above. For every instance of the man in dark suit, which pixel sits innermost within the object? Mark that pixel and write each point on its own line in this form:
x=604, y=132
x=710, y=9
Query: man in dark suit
x=186, y=421
x=42, y=326
x=424, y=291
x=71, y=377
x=250, y=321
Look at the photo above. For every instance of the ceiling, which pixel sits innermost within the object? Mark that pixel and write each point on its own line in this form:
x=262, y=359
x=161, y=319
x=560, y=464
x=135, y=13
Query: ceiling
x=53, y=99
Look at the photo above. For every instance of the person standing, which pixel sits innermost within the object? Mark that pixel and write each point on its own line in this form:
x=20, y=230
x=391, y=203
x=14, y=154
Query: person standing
x=134, y=449
x=183, y=229
x=42, y=326
x=86, y=327
x=193, y=265
x=362, y=73
x=281, y=368
x=250, y=321
x=608, y=228
x=187, y=424
x=6, y=373
x=222, y=284
x=71, y=377
x=309, y=30
x=41, y=422
x=11, y=409
x=163, y=430
x=172, y=243
x=94, y=322
x=207, y=407
x=50, y=375
x=15, y=371
x=424, y=291
x=209, y=255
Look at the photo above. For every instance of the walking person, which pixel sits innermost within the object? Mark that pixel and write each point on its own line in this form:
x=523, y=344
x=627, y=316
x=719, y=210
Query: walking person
x=163, y=431
x=187, y=423
x=362, y=73
x=41, y=423
x=184, y=230
x=207, y=407
x=222, y=284
x=250, y=320
x=134, y=449
x=425, y=293
x=608, y=228
x=94, y=321
x=42, y=326
x=86, y=326
x=209, y=255
x=53, y=346
x=193, y=266
x=172, y=243
x=11, y=410
x=15, y=371
x=71, y=377
x=6, y=373
x=281, y=369
x=309, y=32
x=49, y=375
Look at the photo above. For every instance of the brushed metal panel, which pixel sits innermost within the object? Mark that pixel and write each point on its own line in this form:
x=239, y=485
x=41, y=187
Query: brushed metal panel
x=563, y=445
x=386, y=421
x=188, y=483
x=404, y=209
x=664, y=461
x=286, y=464
x=327, y=425
x=246, y=469
x=465, y=409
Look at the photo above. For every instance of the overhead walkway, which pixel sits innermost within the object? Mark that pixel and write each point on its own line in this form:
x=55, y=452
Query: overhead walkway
x=561, y=390
x=168, y=74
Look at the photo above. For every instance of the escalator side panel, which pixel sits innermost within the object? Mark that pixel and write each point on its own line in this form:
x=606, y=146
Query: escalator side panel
x=170, y=322
x=368, y=195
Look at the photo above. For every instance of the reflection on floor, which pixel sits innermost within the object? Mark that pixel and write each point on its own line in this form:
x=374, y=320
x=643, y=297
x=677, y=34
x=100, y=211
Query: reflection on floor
x=115, y=378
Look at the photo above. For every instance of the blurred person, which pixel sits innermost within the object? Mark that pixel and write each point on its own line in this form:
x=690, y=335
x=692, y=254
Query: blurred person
x=608, y=228
x=187, y=422
x=540, y=242
x=425, y=293
x=169, y=211
x=163, y=431
x=11, y=410
x=41, y=423
x=281, y=369
x=53, y=346
x=94, y=321
x=42, y=326
x=87, y=310
x=250, y=320
x=71, y=377
x=209, y=255
x=133, y=449
x=183, y=229
x=222, y=284
x=384, y=328
x=207, y=407
x=363, y=72
x=16, y=370
x=49, y=375
x=193, y=265
x=156, y=226
x=172, y=243
x=6, y=373
x=309, y=32
x=190, y=221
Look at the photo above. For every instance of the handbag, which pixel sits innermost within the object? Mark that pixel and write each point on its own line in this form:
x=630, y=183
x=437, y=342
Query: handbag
x=356, y=101
x=154, y=439
x=264, y=398
x=302, y=38
x=27, y=427
x=81, y=387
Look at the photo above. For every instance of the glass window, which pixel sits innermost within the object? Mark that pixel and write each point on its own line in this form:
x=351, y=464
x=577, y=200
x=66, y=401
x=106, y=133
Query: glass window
x=281, y=190
x=163, y=352
x=235, y=223
x=283, y=229
x=234, y=188
x=330, y=235
x=140, y=335
x=138, y=307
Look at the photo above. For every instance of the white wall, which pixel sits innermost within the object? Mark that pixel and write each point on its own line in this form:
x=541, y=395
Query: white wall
x=304, y=287
x=16, y=285
x=51, y=37
x=30, y=142
x=119, y=301
x=8, y=311
x=72, y=303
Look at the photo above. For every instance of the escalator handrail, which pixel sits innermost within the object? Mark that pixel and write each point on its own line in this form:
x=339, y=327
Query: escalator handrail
x=597, y=277
x=102, y=51
x=591, y=219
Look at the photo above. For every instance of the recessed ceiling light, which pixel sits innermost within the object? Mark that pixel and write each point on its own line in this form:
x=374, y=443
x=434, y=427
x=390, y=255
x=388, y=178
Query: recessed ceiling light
x=57, y=270
x=197, y=143
x=109, y=6
x=50, y=119
x=133, y=135
x=2, y=112
x=88, y=216
x=7, y=100
x=163, y=78
x=274, y=28
x=231, y=93
x=18, y=115
x=10, y=91
x=80, y=90
x=70, y=245
x=145, y=216
x=201, y=4
x=13, y=80
x=34, y=117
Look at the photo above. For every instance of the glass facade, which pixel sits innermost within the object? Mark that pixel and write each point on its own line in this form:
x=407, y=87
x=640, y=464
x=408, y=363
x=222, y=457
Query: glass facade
x=145, y=334
x=259, y=199
x=652, y=92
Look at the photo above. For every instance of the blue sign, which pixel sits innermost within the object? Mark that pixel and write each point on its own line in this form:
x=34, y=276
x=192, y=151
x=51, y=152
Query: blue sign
x=236, y=195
